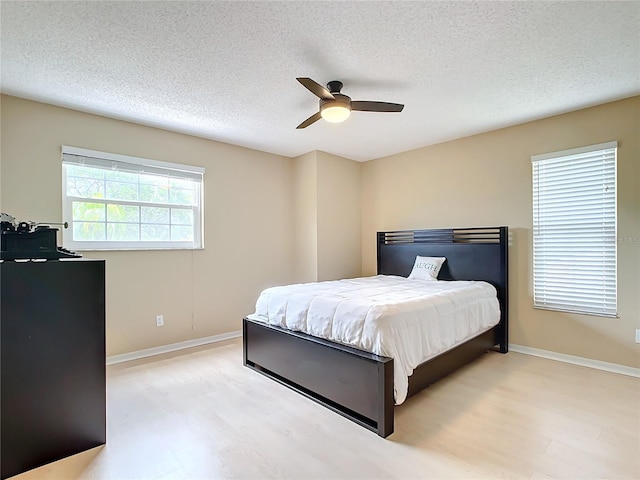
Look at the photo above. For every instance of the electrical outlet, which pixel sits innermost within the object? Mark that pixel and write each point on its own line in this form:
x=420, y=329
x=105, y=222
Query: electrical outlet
x=638, y=335
x=159, y=320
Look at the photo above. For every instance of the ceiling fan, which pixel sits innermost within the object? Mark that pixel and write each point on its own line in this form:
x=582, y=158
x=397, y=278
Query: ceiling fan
x=336, y=107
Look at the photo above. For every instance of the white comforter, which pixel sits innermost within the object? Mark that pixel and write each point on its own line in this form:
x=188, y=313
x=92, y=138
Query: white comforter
x=410, y=321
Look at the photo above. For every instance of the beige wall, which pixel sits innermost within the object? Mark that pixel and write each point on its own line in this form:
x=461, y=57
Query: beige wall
x=305, y=174
x=339, y=218
x=272, y=220
x=327, y=217
x=485, y=180
x=248, y=222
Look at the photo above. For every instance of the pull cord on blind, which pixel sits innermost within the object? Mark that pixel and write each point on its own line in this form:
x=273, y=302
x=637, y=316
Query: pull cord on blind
x=574, y=230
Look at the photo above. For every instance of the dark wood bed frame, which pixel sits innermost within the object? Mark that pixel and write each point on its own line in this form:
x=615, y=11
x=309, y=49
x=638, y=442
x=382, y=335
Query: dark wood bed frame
x=359, y=385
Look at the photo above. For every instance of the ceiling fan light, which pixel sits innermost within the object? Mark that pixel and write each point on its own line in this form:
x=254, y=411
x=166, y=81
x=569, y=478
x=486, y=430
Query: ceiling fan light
x=335, y=112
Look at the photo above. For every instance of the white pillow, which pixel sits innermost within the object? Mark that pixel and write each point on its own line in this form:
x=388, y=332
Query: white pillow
x=426, y=268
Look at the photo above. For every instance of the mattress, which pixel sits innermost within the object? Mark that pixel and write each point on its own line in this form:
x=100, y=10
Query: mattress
x=408, y=320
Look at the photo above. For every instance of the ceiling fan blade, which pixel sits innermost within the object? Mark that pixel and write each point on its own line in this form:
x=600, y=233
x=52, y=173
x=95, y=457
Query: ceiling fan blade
x=315, y=88
x=312, y=119
x=376, y=107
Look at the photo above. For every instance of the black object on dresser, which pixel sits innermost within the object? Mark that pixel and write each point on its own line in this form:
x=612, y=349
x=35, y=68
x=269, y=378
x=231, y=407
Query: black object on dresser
x=52, y=370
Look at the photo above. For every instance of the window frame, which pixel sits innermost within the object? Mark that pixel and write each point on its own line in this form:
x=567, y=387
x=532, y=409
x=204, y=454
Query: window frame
x=545, y=296
x=76, y=156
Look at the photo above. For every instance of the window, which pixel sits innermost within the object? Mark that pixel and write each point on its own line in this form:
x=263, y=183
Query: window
x=574, y=230
x=115, y=202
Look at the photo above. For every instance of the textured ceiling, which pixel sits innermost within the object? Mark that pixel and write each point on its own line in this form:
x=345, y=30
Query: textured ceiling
x=226, y=70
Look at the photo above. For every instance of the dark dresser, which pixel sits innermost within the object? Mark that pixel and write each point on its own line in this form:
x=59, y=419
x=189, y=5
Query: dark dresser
x=52, y=361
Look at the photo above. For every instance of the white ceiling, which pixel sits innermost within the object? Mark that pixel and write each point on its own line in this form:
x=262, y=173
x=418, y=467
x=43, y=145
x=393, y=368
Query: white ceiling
x=227, y=70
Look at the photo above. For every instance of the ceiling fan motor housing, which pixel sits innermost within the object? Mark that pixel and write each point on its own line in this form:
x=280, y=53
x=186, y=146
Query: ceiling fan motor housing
x=344, y=100
x=334, y=86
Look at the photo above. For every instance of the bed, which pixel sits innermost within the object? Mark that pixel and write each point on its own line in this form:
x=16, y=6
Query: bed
x=357, y=384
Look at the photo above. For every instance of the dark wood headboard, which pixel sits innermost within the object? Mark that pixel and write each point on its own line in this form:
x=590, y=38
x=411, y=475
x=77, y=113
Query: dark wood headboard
x=472, y=254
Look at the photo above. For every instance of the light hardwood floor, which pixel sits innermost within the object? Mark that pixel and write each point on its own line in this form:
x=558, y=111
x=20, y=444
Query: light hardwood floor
x=199, y=414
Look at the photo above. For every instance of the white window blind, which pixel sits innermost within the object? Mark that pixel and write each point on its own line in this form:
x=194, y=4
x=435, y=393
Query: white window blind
x=117, y=202
x=574, y=230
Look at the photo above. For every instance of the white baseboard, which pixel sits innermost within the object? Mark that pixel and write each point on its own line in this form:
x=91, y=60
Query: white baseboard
x=584, y=362
x=172, y=347
x=560, y=357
